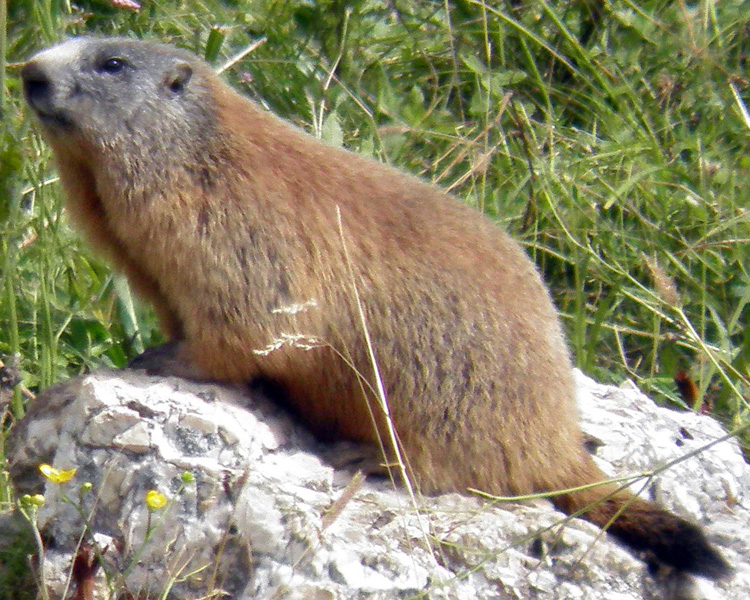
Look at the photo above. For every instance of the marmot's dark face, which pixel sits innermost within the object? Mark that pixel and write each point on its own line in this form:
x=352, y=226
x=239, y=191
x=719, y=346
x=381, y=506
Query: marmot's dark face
x=99, y=91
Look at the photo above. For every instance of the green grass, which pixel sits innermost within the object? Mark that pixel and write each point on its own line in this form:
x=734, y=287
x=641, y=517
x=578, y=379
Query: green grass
x=605, y=137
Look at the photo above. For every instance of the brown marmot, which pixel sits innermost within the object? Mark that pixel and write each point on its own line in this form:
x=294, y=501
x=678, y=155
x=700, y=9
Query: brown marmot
x=250, y=236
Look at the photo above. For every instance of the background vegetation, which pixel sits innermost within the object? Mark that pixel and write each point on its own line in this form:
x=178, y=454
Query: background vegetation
x=608, y=137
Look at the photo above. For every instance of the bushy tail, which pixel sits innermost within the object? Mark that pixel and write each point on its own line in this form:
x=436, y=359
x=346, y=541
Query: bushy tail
x=651, y=532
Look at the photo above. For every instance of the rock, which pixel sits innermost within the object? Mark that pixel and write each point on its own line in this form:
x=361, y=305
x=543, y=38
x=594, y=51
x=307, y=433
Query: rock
x=267, y=516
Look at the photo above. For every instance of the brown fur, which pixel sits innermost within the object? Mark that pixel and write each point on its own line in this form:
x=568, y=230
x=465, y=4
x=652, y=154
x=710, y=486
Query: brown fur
x=221, y=214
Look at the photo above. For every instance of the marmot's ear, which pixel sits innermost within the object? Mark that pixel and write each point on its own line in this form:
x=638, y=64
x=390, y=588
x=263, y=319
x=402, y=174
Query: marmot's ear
x=177, y=77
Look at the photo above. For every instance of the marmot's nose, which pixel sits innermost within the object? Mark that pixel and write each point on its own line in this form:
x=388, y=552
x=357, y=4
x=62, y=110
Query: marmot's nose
x=42, y=92
x=37, y=86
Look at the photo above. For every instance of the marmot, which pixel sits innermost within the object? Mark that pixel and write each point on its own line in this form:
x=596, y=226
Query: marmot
x=249, y=236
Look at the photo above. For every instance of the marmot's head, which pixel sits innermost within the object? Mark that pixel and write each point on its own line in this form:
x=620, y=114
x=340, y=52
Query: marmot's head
x=117, y=93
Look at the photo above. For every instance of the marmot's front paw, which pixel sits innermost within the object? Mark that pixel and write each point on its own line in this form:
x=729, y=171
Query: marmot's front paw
x=167, y=360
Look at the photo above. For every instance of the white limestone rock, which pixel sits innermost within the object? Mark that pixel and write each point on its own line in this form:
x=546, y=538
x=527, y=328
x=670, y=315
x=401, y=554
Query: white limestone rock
x=255, y=521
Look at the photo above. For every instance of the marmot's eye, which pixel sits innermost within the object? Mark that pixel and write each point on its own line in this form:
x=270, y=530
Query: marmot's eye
x=113, y=65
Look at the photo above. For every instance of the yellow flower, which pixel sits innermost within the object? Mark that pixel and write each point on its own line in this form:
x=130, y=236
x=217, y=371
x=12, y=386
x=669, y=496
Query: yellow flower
x=155, y=500
x=55, y=475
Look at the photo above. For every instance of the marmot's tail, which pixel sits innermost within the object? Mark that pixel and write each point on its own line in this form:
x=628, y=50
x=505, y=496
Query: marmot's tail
x=650, y=531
